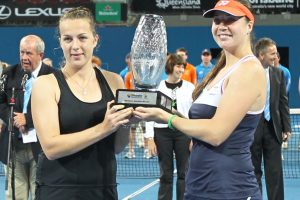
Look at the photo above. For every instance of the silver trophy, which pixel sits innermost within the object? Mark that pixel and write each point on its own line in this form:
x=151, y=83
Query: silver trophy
x=148, y=56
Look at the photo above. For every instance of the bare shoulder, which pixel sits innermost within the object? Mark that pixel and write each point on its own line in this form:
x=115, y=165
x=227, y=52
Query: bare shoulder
x=44, y=80
x=114, y=80
x=249, y=74
x=46, y=85
x=254, y=66
x=251, y=69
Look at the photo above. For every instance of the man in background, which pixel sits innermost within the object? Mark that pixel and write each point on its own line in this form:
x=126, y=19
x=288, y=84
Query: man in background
x=26, y=146
x=190, y=70
x=274, y=126
x=205, y=66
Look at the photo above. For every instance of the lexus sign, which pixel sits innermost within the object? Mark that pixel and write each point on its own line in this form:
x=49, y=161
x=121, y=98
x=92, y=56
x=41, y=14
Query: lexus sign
x=33, y=14
x=5, y=12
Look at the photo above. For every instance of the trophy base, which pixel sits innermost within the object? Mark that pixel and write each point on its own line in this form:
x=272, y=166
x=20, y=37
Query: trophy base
x=144, y=98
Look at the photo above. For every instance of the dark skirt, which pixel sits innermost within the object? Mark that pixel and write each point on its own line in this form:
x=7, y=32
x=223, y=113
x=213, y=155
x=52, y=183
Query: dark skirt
x=75, y=193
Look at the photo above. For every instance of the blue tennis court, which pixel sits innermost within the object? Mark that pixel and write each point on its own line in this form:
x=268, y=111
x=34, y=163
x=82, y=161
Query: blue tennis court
x=128, y=187
x=138, y=177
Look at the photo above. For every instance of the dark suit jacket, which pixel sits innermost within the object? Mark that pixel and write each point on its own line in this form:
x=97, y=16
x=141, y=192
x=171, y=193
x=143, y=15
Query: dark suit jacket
x=279, y=108
x=15, y=74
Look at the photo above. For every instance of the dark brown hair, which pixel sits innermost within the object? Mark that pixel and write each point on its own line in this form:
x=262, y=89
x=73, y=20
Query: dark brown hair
x=79, y=13
x=220, y=63
x=173, y=59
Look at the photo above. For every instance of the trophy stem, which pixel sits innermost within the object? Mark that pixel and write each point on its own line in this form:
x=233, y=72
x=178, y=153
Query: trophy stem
x=144, y=87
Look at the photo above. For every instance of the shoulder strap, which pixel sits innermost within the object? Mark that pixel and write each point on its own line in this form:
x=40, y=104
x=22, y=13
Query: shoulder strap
x=105, y=89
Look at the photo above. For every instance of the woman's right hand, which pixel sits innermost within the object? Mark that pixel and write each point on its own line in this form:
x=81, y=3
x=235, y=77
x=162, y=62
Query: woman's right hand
x=152, y=147
x=116, y=116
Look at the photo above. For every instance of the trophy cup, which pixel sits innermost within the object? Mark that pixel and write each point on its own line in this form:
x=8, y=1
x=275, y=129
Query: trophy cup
x=148, y=56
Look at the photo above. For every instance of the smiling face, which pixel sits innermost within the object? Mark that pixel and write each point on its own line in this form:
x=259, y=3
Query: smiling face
x=229, y=31
x=178, y=71
x=77, y=41
x=268, y=56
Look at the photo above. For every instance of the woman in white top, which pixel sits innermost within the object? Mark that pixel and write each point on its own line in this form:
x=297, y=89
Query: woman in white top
x=166, y=140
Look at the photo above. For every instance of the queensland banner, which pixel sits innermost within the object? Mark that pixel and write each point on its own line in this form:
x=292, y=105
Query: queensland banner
x=169, y=7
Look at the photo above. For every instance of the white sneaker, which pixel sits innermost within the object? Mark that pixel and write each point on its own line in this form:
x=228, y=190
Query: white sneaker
x=284, y=145
x=147, y=154
x=130, y=155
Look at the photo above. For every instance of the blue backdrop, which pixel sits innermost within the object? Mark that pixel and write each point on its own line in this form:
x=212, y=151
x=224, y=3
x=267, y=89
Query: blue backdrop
x=115, y=43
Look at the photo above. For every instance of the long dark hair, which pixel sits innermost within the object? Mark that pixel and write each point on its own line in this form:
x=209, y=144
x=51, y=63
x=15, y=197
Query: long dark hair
x=220, y=63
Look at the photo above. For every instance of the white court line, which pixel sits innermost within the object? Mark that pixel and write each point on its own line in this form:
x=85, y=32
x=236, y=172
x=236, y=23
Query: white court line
x=295, y=111
x=141, y=190
x=297, y=126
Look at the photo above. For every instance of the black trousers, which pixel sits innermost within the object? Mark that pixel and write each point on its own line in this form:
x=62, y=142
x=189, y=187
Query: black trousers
x=168, y=141
x=267, y=147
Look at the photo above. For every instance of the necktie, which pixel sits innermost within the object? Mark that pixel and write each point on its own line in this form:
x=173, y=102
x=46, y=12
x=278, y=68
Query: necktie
x=27, y=93
x=267, y=106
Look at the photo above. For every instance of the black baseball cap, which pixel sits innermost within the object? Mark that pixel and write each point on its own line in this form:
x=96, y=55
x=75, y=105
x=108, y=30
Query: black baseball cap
x=206, y=51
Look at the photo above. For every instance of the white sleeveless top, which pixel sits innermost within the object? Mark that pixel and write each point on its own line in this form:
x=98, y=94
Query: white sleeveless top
x=213, y=95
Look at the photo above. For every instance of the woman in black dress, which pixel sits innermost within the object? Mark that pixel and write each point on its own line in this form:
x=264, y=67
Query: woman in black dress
x=79, y=128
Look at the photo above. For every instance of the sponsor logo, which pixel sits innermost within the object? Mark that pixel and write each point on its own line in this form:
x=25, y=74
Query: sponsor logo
x=35, y=12
x=271, y=1
x=178, y=4
x=5, y=12
x=223, y=3
x=137, y=96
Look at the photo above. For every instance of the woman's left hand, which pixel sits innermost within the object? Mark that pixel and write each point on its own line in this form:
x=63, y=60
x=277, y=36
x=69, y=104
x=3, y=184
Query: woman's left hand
x=151, y=114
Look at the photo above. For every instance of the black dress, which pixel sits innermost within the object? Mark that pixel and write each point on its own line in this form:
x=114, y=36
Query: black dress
x=90, y=173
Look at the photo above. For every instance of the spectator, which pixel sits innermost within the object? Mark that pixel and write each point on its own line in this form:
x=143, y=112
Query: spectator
x=274, y=125
x=3, y=65
x=26, y=149
x=166, y=140
x=125, y=70
x=190, y=73
x=205, y=67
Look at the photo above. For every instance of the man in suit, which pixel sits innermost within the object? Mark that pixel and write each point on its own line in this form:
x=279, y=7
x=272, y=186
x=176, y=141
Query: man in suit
x=25, y=146
x=274, y=126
